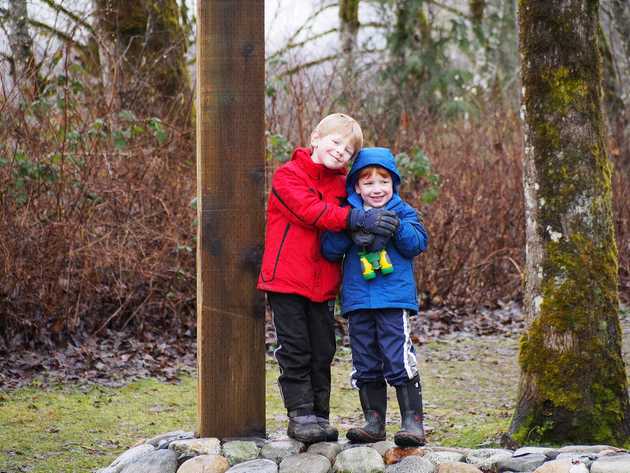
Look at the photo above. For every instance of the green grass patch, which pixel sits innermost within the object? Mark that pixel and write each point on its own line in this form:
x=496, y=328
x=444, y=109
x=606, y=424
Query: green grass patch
x=468, y=390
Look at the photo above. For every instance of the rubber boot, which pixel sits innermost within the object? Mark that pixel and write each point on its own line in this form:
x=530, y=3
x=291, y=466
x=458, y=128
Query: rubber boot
x=373, y=397
x=411, y=432
x=303, y=427
x=332, y=434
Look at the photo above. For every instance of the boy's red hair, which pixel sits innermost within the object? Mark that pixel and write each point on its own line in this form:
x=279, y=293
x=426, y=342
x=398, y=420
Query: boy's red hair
x=369, y=171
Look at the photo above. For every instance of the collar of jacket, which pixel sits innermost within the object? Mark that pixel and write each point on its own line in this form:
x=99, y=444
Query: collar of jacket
x=302, y=156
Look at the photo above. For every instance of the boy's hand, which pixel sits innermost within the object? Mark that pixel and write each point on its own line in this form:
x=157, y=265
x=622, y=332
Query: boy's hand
x=379, y=243
x=362, y=239
x=377, y=221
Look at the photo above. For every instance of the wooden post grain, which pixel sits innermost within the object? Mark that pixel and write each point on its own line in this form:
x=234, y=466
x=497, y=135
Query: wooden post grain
x=230, y=193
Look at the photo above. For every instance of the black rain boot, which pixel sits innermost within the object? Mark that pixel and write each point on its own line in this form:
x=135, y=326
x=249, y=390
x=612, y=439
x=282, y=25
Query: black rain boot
x=373, y=397
x=303, y=426
x=332, y=434
x=411, y=432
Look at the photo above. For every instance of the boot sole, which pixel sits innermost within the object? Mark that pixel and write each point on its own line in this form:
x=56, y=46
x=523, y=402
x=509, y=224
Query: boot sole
x=409, y=440
x=307, y=440
x=361, y=436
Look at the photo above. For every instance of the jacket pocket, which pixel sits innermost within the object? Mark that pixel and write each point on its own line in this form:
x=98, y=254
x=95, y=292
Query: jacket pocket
x=275, y=264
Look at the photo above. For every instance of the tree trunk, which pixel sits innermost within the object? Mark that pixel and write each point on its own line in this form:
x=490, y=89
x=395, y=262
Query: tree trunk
x=349, y=17
x=620, y=21
x=349, y=28
x=24, y=67
x=477, y=8
x=613, y=102
x=573, y=384
x=147, y=63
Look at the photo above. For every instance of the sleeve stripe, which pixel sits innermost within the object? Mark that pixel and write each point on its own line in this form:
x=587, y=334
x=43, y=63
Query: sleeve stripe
x=321, y=213
x=273, y=190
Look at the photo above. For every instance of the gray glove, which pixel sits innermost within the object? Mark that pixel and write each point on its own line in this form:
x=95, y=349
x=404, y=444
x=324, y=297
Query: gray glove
x=379, y=243
x=378, y=221
x=362, y=239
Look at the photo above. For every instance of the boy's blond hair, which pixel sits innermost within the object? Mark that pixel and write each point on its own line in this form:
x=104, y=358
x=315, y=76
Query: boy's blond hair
x=344, y=125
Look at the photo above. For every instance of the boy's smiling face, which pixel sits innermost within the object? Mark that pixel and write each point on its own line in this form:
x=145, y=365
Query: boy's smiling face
x=332, y=150
x=375, y=188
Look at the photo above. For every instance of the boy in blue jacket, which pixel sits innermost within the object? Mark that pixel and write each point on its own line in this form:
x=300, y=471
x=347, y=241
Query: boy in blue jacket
x=378, y=307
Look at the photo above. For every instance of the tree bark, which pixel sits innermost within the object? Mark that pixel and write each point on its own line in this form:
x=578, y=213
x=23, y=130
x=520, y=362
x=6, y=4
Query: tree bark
x=619, y=11
x=146, y=60
x=24, y=66
x=349, y=28
x=613, y=103
x=573, y=384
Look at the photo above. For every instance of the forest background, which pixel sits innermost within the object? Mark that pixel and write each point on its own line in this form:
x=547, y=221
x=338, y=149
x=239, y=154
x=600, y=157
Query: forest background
x=97, y=149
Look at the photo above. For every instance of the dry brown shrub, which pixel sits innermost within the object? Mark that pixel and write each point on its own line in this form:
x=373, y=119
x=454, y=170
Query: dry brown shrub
x=96, y=234
x=476, y=225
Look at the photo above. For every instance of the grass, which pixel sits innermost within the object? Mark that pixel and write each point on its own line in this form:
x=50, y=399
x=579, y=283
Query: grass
x=468, y=386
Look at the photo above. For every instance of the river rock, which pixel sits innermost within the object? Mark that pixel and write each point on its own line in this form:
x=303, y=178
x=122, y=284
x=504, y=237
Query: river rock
x=555, y=466
x=523, y=463
x=437, y=458
x=262, y=465
x=412, y=464
x=158, y=461
x=612, y=464
x=259, y=441
x=587, y=459
x=382, y=446
x=128, y=457
x=585, y=449
x=548, y=452
x=239, y=451
x=205, y=464
x=457, y=467
x=305, y=463
x=202, y=446
x=278, y=450
x=487, y=458
x=359, y=460
x=328, y=449
x=164, y=440
x=394, y=455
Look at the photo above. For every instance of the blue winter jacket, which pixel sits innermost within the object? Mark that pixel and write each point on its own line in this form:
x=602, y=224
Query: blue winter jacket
x=398, y=289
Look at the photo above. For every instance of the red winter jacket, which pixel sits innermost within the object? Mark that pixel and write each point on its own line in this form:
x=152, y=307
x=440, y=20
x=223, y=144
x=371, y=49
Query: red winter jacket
x=304, y=201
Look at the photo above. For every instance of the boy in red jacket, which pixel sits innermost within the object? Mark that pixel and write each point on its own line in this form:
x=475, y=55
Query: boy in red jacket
x=306, y=199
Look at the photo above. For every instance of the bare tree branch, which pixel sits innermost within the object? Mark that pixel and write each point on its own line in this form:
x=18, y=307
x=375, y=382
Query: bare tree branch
x=66, y=38
x=322, y=60
x=73, y=16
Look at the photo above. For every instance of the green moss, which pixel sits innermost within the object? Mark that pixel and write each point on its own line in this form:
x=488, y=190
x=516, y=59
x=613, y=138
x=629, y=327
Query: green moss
x=565, y=90
x=571, y=349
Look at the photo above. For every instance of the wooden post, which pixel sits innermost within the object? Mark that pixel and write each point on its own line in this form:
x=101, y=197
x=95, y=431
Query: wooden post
x=230, y=193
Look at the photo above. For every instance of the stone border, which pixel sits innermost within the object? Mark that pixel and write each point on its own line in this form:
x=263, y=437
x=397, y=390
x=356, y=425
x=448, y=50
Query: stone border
x=180, y=452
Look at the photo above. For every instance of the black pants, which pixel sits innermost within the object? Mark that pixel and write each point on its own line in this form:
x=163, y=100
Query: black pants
x=306, y=347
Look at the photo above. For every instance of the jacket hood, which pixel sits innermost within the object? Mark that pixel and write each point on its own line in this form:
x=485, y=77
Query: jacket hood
x=382, y=157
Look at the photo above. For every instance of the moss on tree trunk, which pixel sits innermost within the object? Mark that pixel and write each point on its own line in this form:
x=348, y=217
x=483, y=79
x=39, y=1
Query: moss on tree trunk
x=573, y=383
x=150, y=48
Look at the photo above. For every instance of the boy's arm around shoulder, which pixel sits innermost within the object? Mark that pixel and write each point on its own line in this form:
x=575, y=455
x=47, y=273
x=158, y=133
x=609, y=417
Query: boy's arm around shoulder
x=411, y=237
x=302, y=204
x=335, y=245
